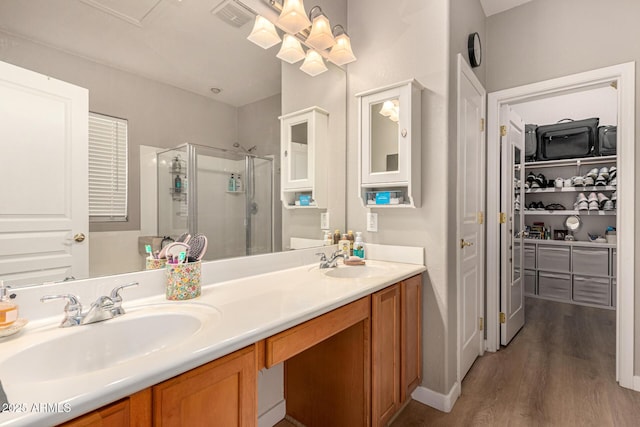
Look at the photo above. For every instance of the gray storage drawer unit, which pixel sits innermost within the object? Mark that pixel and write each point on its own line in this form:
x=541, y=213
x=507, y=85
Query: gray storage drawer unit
x=530, y=282
x=592, y=290
x=553, y=258
x=554, y=285
x=590, y=261
x=529, y=255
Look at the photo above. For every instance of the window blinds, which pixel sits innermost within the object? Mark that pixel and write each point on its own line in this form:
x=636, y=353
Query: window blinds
x=107, y=168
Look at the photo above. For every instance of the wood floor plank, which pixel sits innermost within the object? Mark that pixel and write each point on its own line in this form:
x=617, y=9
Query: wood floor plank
x=558, y=371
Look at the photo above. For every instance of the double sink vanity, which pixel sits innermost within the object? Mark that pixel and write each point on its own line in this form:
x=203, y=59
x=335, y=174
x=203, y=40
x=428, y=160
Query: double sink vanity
x=349, y=338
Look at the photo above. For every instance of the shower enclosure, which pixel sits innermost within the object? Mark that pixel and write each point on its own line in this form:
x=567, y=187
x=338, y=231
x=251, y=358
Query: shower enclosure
x=225, y=195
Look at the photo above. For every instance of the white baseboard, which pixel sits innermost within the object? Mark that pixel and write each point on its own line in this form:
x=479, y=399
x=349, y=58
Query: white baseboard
x=273, y=415
x=636, y=383
x=442, y=402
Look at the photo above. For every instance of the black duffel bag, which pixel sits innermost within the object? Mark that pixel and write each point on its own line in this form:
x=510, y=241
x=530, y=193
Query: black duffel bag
x=607, y=141
x=572, y=139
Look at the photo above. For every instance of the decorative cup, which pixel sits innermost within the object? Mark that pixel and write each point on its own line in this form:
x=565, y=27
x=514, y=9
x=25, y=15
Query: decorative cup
x=183, y=281
x=154, y=264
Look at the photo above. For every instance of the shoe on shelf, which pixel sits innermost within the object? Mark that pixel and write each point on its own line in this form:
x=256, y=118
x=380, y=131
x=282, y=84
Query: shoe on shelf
x=582, y=205
x=539, y=206
x=608, y=206
x=601, y=180
x=614, y=195
x=594, y=206
x=588, y=181
x=613, y=171
x=541, y=180
x=604, y=171
x=581, y=198
x=568, y=182
x=592, y=197
x=532, y=206
x=602, y=197
x=593, y=173
x=613, y=181
x=558, y=183
x=531, y=177
x=578, y=181
x=555, y=207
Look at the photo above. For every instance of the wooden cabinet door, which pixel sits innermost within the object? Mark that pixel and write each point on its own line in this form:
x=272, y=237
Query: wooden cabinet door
x=411, y=335
x=134, y=411
x=385, y=354
x=220, y=393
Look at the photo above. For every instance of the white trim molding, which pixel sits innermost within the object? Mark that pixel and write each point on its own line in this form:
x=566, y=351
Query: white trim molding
x=439, y=401
x=623, y=75
x=274, y=415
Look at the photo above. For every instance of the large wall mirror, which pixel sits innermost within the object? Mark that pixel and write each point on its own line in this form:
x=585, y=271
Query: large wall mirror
x=181, y=76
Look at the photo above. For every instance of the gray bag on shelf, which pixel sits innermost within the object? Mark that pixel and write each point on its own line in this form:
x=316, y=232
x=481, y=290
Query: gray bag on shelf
x=530, y=143
x=607, y=141
x=573, y=139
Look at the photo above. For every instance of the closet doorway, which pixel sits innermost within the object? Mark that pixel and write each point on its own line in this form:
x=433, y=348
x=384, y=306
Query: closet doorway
x=622, y=78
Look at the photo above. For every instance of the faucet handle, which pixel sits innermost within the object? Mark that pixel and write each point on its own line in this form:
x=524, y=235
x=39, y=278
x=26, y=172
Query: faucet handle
x=72, y=311
x=323, y=256
x=115, y=292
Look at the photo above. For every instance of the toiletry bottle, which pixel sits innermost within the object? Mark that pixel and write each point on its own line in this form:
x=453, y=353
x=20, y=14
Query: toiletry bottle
x=358, y=245
x=328, y=239
x=351, y=239
x=336, y=237
x=8, y=309
x=232, y=182
x=238, y=183
x=177, y=184
x=344, y=245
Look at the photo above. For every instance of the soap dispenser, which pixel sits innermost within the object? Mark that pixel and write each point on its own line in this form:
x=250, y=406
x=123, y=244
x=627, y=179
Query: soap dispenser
x=358, y=246
x=8, y=309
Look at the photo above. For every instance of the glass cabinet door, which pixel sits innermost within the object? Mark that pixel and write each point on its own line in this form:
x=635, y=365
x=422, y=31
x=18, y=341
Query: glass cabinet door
x=297, y=151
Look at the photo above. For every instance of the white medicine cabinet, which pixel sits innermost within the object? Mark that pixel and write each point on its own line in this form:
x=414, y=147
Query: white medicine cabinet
x=390, y=145
x=302, y=154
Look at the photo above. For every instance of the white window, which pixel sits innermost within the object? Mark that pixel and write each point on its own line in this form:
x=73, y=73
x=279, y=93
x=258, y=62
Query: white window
x=107, y=168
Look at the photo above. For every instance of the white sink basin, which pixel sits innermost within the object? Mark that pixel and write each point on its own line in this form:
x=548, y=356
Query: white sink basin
x=354, y=272
x=82, y=349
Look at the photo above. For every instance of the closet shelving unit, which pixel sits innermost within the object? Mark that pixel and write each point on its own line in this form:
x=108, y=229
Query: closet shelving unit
x=578, y=272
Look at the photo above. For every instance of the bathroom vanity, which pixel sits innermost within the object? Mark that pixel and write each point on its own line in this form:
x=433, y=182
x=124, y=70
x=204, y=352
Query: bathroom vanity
x=349, y=338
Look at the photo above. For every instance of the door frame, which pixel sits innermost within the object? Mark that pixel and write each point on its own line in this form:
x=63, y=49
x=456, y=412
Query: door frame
x=624, y=76
x=465, y=68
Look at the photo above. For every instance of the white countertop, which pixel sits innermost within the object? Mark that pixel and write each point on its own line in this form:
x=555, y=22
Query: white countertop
x=245, y=311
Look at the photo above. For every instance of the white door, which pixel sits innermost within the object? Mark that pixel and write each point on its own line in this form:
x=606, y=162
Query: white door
x=470, y=244
x=43, y=140
x=511, y=231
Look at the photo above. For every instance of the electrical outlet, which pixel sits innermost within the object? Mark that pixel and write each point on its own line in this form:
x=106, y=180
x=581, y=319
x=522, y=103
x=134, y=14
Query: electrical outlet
x=324, y=221
x=372, y=221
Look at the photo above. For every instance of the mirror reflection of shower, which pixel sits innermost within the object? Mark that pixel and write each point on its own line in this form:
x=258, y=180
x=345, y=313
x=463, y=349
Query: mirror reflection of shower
x=228, y=215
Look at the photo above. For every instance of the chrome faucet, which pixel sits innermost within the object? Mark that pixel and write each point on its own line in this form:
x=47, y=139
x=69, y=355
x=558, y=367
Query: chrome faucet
x=104, y=308
x=333, y=262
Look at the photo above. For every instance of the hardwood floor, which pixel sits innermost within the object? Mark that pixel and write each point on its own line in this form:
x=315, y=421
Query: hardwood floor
x=558, y=371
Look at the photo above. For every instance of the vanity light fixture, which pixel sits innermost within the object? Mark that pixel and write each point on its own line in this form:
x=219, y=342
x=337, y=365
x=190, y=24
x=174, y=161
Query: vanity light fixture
x=293, y=17
x=291, y=50
x=264, y=33
x=320, y=36
x=298, y=32
x=391, y=109
x=313, y=63
x=341, y=52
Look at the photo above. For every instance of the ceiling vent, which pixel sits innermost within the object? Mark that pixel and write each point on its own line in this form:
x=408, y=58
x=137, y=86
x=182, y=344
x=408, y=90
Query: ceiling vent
x=234, y=13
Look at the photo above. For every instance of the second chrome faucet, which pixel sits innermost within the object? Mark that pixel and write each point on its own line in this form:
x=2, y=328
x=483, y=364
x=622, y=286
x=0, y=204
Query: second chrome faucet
x=103, y=308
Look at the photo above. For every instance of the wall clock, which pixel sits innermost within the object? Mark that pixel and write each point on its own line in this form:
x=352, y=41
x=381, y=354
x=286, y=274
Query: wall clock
x=475, y=49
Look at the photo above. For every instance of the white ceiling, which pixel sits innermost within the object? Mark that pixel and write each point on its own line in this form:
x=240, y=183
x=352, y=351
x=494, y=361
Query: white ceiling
x=491, y=7
x=176, y=42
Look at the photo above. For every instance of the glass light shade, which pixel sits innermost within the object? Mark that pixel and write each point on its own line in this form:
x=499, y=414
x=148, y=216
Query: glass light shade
x=291, y=50
x=387, y=108
x=313, y=63
x=293, y=18
x=341, y=52
x=264, y=33
x=320, y=36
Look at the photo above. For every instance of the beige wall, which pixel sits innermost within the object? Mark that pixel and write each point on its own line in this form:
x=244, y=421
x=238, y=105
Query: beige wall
x=545, y=39
x=395, y=42
x=159, y=115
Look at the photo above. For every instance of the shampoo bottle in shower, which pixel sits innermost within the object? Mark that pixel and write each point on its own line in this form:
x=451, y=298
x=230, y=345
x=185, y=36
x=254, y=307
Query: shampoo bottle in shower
x=232, y=183
x=238, y=182
x=177, y=184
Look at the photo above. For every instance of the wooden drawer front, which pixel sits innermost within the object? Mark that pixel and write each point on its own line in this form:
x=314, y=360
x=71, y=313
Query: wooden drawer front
x=592, y=290
x=614, y=292
x=590, y=261
x=614, y=260
x=554, y=285
x=555, y=258
x=530, y=282
x=529, y=256
x=286, y=344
